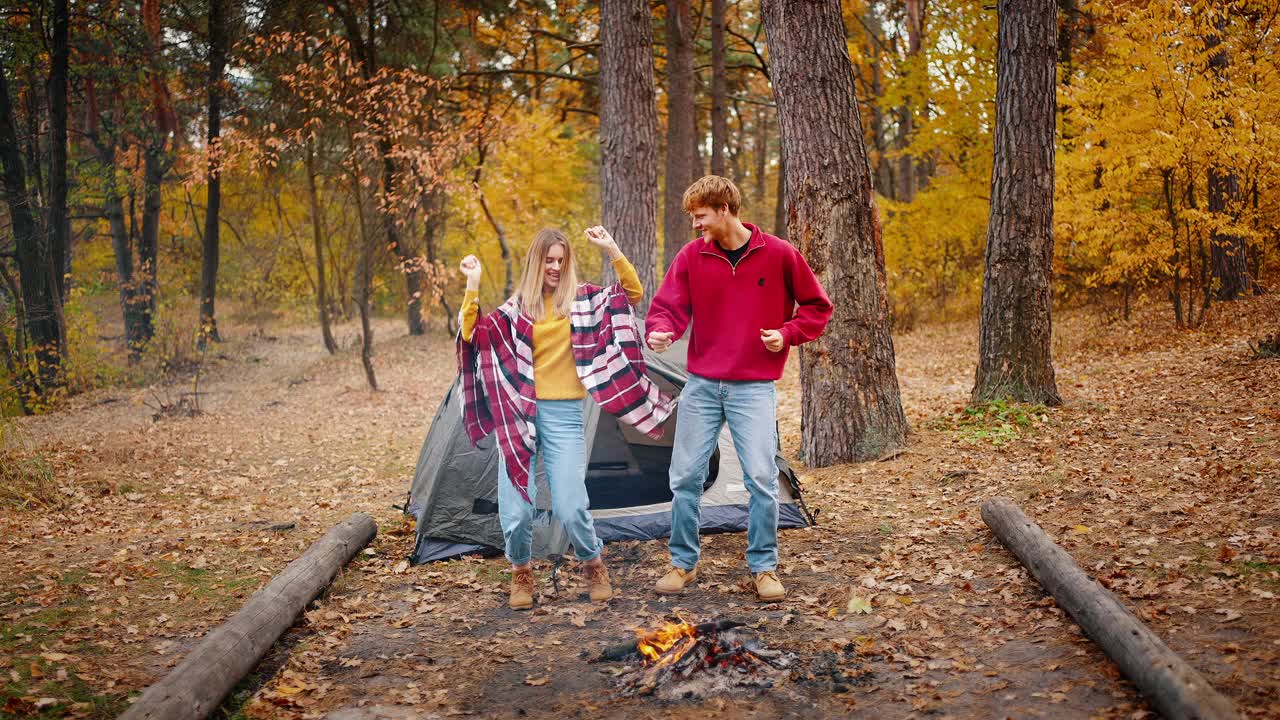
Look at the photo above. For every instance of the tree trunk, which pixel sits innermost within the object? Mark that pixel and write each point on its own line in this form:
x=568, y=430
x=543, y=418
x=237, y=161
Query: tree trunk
x=149, y=242
x=906, y=112
x=508, y=263
x=629, y=134
x=41, y=310
x=719, y=119
x=762, y=152
x=780, y=205
x=317, y=236
x=209, y=266
x=1228, y=251
x=683, y=166
x=851, y=408
x=412, y=273
x=363, y=279
x=59, y=218
x=435, y=205
x=131, y=302
x=1015, y=354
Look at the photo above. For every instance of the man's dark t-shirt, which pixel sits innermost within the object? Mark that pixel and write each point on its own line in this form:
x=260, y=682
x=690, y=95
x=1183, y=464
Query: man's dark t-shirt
x=735, y=255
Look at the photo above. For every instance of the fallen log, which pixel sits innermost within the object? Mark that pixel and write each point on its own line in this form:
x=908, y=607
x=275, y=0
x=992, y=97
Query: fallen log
x=1172, y=686
x=198, y=685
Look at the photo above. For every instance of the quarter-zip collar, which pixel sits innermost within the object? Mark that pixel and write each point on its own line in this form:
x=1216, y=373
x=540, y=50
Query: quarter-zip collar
x=711, y=247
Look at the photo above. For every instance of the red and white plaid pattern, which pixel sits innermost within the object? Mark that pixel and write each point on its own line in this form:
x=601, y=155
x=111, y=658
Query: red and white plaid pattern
x=497, y=374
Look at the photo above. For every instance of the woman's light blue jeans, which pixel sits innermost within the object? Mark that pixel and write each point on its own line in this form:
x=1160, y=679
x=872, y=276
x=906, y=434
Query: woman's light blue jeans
x=750, y=408
x=562, y=447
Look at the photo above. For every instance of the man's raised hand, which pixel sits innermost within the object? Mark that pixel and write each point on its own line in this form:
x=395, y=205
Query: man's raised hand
x=660, y=341
x=470, y=267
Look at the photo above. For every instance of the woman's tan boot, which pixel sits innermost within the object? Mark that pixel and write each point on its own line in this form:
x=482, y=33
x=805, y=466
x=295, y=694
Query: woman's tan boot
x=521, y=588
x=598, y=581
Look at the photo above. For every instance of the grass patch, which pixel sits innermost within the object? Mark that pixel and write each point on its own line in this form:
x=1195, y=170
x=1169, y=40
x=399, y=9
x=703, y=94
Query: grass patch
x=23, y=697
x=996, y=422
x=205, y=584
x=1268, y=573
x=27, y=478
x=35, y=629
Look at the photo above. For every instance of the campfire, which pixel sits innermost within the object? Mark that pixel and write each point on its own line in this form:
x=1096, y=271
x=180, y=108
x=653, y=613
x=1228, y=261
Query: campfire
x=681, y=660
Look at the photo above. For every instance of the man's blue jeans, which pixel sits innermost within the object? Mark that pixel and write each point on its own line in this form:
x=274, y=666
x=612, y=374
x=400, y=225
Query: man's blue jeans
x=562, y=446
x=750, y=408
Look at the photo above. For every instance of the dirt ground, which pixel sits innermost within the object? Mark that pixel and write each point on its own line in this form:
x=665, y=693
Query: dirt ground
x=1159, y=475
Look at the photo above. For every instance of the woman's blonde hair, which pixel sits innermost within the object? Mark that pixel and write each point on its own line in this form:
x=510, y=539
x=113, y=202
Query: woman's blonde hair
x=529, y=290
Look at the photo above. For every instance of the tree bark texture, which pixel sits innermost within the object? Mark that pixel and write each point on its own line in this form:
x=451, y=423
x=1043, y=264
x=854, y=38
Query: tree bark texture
x=683, y=165
x=1015, y=354
x=41, y=310
x=629, y=134
x=1229, y=251
x=211, y=671
x=146, y=272
x=209, y=261
x=851, y=405
x=1172, y=686
x=719, y=91
x=780, y=205
x=59, y=217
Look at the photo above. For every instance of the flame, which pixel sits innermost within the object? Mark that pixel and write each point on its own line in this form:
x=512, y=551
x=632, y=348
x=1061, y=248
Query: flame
x=652, y=645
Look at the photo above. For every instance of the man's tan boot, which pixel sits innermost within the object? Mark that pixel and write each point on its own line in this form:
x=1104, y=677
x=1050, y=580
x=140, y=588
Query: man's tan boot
x=769, y=587
x=598, y=581
x=675, y=580
x=521, y=589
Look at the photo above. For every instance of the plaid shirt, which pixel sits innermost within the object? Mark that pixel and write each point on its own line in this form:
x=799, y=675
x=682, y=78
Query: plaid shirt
x=497, y=374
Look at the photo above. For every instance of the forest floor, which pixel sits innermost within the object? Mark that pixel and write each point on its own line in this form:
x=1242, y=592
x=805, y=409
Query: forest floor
x=1159, y=474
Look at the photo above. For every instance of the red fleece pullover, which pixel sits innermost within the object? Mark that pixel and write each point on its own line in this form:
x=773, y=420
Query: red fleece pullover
x=725, y=307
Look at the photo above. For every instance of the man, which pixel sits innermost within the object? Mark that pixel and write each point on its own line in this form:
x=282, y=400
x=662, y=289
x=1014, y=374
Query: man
x=745, y=297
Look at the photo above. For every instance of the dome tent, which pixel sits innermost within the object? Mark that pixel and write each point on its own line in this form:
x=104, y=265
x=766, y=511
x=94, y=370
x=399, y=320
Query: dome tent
x=454, y=495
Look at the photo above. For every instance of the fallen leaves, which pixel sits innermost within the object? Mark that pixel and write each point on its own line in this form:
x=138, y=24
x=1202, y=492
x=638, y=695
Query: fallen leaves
x=858, y=604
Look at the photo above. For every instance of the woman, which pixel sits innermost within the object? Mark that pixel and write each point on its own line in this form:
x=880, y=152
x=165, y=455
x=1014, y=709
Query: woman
x=526, y=368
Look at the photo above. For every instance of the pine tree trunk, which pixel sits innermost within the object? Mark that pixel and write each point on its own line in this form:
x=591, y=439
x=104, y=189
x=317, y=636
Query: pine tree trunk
x=780, y=206
x=629, y=134
x=719, y=113
x=1228, y=251
x=682, y=166
x=209, y=261
x=762, y=153
x=317, y=237
x=59, y=218
x=146, y=273
x=41, y=310
x=851, y=405
x=906, y=112
x=1015, y=355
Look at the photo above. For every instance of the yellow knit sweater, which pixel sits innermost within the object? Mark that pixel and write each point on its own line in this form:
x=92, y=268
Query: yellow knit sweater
x=554, y=376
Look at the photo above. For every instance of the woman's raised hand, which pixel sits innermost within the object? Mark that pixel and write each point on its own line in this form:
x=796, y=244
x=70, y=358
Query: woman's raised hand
x=603, y=240
x=470, y=267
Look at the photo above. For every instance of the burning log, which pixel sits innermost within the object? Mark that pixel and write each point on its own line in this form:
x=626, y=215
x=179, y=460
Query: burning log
x=681, y=660
x=622, y=651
